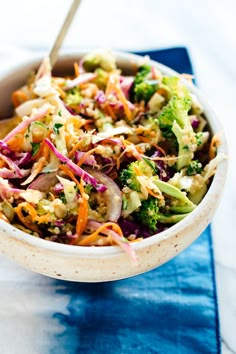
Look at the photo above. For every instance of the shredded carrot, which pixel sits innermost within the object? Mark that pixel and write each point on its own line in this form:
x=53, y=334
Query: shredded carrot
x=162, y=91
x=76, y=69
x=36, y=169
x=137, y=171
x=95, y=235
x=110, y=111
x=215, y=143
x=43, y=152
x=44, y=155
x=61, y=92
x=27, y=220
x=43, y=219
x=86, y=122
x=86, y=154
x=114, y=85
x=155, y=195
x=160, y=149
x=83, y=207
x=122, y=98
x=75, y=147
x=110, y=85
x=15, y=143
x=136, y=240
x=2, y=163
x=18, y=97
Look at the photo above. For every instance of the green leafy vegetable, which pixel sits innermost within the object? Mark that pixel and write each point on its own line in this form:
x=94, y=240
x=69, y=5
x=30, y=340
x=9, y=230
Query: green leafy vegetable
x=56, y=127
x=73, y=97
x=100, y=59
x=101, y=78
x=35, y=148
x=147, y=214
x=128, y=177
x=143, y=87
x=175, y=117
x=194, y=168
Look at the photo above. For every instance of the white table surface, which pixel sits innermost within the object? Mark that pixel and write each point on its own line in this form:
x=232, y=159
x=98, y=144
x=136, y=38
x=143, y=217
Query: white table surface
x=208, y=29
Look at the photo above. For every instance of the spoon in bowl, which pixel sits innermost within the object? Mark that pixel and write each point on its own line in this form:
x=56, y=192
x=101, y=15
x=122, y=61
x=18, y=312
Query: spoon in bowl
x=6, y=125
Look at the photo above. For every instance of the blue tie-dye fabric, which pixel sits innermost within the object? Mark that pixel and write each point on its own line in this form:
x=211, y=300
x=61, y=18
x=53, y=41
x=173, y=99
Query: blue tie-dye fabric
x=172, y=309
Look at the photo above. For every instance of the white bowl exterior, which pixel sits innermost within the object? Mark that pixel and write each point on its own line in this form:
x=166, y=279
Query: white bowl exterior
x=95, y=264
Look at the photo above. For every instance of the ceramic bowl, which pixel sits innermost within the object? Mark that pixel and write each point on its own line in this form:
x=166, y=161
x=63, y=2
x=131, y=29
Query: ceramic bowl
x=97, y=264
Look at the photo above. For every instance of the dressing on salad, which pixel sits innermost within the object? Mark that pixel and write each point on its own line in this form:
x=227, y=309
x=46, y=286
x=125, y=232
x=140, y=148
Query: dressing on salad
x=100, y=158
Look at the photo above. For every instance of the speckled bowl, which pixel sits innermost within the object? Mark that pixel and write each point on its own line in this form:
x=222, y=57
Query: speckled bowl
x=96, y=264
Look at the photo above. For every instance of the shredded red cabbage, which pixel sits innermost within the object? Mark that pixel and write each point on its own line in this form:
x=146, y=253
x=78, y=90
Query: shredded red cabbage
x=76, y=169
x=89, y=160
x=41, y=112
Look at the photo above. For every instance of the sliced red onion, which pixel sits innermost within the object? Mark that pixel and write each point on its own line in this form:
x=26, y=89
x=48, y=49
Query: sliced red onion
x=153, y=72
x=126, y=83
x=89, y=160
x=112, y=195
x=120, y=240
x=11, y=174
x=6, y=191
x=76, y=169
x=59, y=223
x=100, y=97
x=14, y=171
x=41, y=112
x=5, y=148
x=70, y=110
x=44, y=182
x=164, y=170
x=58, y=188
x=194, y=121
x=131, y=105
x=25, y=158
x=81, y=65
x=81, y=79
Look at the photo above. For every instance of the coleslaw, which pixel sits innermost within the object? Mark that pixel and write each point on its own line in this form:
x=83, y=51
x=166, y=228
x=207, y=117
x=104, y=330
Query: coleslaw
x=100, y=158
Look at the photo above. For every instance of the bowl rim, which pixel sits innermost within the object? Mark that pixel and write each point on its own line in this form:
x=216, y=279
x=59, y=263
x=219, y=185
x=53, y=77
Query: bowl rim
x=107, y=251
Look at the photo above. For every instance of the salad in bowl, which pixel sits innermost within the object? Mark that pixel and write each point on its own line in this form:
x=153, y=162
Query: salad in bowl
x=100, y=157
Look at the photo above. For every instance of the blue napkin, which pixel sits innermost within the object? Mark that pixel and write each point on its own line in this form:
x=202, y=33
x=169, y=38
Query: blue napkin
x=172, y=309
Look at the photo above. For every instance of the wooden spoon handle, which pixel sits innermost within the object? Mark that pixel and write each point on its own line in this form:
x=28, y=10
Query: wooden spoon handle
x=61, y=35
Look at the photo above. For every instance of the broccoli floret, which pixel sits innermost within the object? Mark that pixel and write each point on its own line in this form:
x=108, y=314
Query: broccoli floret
x=174, y=87
x=177, y=109
x=194, y=168
x=128, y=178
x=73, y=97
x=99, y=59
x=143, y=88
x=174, y=116
x=142, y=73
x=101, y=78
x=144, y=167
x=148, y=213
